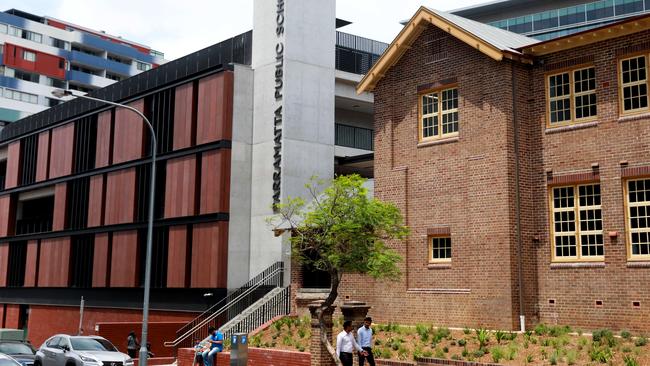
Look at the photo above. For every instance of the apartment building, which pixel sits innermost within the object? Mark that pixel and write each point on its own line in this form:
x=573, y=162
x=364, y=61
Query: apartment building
x=40, y=54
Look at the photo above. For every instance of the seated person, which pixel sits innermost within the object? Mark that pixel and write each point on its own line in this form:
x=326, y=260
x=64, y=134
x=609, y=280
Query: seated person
x=215, y=339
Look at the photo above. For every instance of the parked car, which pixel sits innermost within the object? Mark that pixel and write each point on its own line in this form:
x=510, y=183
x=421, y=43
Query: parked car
x=12, y=343
x=6, y=360
x=20, y=351
x=65, y=350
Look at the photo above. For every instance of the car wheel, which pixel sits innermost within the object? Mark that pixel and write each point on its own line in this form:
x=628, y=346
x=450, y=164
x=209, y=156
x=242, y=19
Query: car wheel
x=37, y=363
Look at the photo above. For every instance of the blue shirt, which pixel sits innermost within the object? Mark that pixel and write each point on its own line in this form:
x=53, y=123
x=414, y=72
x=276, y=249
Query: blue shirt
x=217, y=337
x=365, y=337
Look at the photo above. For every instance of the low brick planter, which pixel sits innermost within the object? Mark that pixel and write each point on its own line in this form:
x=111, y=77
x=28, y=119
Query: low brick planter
x=256, y=357
x=382, y=362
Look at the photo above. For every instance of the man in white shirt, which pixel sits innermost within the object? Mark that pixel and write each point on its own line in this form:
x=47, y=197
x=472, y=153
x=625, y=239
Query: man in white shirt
x=364, y=335
x=346, y=344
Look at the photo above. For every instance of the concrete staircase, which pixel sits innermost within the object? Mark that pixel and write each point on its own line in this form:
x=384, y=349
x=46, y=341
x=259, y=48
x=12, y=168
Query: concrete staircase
x=263, y=310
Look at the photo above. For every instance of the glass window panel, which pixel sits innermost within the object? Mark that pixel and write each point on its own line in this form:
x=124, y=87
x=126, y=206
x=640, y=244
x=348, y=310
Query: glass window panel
x=639, y=209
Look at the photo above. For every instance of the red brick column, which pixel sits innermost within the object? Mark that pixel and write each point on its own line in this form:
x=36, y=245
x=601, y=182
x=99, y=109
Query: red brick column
x=319, y=354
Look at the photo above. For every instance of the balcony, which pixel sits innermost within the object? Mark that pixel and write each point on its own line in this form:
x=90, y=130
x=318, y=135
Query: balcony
x=354, y=137
x=33, y=225
x=356, y=54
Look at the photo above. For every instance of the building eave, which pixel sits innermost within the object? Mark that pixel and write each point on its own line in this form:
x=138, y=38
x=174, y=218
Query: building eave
x=614, y=30
x=410, y=33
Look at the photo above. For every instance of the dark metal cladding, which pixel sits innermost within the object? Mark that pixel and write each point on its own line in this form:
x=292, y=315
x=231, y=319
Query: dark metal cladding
x=235, y=50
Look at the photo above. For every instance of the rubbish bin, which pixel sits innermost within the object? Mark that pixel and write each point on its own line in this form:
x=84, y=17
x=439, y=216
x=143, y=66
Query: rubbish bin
x=239, y=349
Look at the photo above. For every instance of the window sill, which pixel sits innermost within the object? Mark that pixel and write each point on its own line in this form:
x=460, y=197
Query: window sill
x=639, y=264
x=634, y=117
x=560, y=265
x=447, y=140
x=576, y=126
x=439, y=265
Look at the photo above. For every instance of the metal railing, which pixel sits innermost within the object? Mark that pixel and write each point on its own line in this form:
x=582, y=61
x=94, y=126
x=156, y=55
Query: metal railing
x=357, y=54
x=280, y=304
x=230, y=306
x=356, y=137
x=33, y=226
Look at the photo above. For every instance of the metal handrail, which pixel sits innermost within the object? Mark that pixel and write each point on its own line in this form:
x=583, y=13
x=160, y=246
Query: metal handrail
x=228, y=306
x=277, y=305
x=230, y=296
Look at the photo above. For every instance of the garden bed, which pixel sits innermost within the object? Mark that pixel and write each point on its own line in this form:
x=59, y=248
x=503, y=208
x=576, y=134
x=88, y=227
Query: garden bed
x=545, y=345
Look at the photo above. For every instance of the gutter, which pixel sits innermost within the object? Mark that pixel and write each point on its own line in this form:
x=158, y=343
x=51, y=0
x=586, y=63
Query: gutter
x=515, y=119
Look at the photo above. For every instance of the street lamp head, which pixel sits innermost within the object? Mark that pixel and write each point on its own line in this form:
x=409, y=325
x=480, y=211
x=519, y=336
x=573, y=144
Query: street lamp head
x=60, y=93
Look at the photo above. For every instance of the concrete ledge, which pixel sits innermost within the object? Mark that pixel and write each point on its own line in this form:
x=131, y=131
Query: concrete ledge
x=638, y=264
x=438, y=291
x=578, y=265
x=577, y=126
x=423, y=361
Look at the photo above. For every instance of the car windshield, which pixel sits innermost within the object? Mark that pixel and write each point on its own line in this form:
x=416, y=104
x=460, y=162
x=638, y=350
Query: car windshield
x=6, y=362
x=16, y=349
x=91, y=344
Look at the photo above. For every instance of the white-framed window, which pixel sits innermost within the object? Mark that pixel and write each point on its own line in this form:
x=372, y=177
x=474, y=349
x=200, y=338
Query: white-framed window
x=4, y=28
x=577, y=223
x=439, y=249
x=571, y=96
x=637, y=199
x=29, y=56
x=21, y=96
x=634, y=84
x=438, y=114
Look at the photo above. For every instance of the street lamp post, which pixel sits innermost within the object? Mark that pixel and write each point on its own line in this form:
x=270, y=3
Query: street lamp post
x=147, y=276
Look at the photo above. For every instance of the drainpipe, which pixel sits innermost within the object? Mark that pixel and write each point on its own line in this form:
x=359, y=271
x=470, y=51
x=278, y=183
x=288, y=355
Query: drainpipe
x=515, y=119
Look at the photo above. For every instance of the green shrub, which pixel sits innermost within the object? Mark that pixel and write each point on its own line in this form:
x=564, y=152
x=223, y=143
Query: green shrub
x=641, y=341
x=301, y=348
x=462, y=342
x=465, y=352
x=511, y=351
x=423, y=331
x=553, y=359
x=456, y=357
x=497, y=354
x=630, y=361
x=571, y=357
x=625, y=334
x=427, y=353
x=601, y=354
x=604, y=337
x=545, y=342
x=530, y=358
x=439, y=353
x=466, y=331
x=402, y=353
x=513, y=336
x=302, y=333
x=483, y=337
x=626, y=349
x=499, y=335
x=417, y=352
x=445, y=349
x=557, y=331
x=541, y=329
x=287, y=341
x=478, y=353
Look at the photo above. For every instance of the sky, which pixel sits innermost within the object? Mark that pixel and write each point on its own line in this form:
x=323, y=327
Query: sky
x=177, y=28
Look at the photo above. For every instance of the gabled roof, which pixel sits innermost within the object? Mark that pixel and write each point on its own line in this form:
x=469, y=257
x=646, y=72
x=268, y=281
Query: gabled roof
x=494, y=42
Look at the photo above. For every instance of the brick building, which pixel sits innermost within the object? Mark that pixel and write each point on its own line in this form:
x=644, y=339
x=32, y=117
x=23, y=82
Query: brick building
x=522, y=168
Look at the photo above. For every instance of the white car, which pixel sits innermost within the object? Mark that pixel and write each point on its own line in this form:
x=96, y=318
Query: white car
x=66, y=350
x=6, y=360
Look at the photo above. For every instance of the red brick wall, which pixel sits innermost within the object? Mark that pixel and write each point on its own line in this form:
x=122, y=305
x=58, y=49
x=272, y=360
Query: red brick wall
x=159, y=333
x=454, y=184
x=45, y=321
x=610, y=141
x=256, y=357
